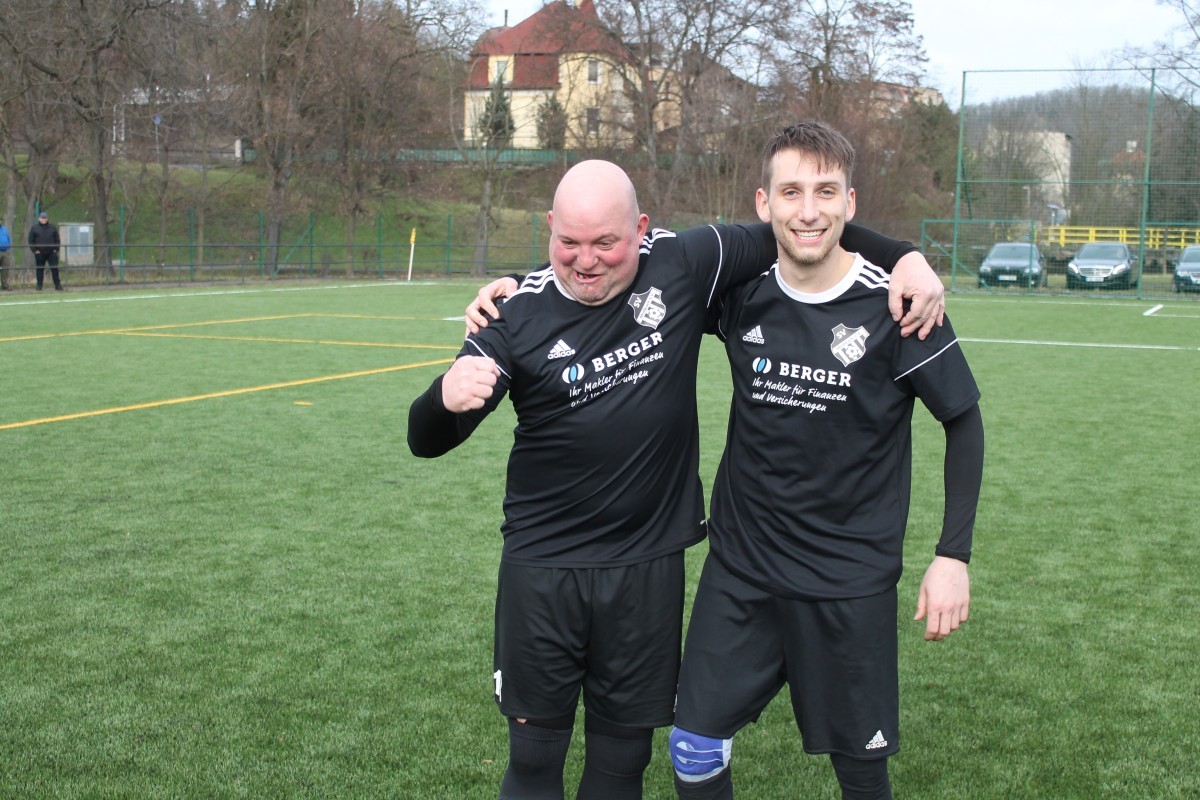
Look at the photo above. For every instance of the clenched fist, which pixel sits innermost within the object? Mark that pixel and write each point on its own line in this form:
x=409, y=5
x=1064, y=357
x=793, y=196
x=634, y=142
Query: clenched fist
x=468, y=383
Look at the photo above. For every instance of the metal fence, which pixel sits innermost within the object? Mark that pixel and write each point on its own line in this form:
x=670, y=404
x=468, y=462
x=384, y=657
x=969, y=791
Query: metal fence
x=1095, y=172
x=318, y=250
x=310, y=248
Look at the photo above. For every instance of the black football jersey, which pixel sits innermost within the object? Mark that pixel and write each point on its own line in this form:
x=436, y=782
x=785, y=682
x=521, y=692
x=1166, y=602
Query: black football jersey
x=811, y=498
x=605, y=457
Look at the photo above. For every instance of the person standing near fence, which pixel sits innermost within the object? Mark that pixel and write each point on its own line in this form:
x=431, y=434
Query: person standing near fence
x=5, y=245
x=44, y=242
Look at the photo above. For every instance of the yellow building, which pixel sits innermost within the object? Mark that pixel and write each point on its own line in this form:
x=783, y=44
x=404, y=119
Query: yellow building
x=564, y=54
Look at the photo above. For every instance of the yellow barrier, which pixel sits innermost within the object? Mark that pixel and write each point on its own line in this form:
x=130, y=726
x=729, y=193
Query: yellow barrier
x=1156, y=237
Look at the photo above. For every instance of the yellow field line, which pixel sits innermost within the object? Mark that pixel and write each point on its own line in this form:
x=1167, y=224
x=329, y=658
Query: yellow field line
x=151, y=327
x=286, y=341
x=214, y=395
x=378, y=316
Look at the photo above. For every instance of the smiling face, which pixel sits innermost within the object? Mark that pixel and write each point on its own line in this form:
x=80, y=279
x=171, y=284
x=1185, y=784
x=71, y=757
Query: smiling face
x=595, y=232
x=808, y=205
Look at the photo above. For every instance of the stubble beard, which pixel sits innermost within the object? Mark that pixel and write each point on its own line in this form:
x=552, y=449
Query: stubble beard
x=804, y=256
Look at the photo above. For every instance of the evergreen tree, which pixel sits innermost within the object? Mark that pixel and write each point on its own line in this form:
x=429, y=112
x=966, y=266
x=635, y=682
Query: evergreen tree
x=496, y=126
x=552, y=125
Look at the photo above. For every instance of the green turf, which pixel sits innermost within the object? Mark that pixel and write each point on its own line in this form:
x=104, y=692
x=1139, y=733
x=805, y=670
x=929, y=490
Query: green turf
x=261, y=594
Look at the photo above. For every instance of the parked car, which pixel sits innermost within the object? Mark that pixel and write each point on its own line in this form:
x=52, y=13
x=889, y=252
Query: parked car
x=1102, y=265
x=1013, y=263
x=1187, y=271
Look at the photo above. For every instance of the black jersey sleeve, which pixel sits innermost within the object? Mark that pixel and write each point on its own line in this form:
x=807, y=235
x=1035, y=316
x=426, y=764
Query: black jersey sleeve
x=882, y=251
x=728, y=255
x=963, y=478
x=434, y=431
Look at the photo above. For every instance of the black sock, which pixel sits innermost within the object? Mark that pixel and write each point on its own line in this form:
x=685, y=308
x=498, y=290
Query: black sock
x=536, y=757
x=615, y=759
x=862, y=779
x=718, y=787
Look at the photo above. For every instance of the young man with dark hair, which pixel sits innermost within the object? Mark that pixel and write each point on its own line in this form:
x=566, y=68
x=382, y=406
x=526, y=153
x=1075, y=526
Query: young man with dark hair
x=810, y=502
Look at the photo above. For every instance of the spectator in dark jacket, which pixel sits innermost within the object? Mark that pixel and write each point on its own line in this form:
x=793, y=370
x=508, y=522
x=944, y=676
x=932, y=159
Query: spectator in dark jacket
x=44, y=242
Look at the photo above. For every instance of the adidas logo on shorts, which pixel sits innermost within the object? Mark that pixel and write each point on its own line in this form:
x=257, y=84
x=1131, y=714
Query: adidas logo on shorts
x=755, y=336
x=877, y=741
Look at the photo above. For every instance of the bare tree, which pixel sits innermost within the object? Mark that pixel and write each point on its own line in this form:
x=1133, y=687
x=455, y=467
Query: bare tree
x=720, y=156
x=832, y=55
x=672, y=47
x=33, y=119
x=358, y=103
x=150, y=117
x=85, y=55
x=380, y=85
x=207, y=93
x=13, y=86
x=202, y=115
x=1178, y=57
x=273, y=75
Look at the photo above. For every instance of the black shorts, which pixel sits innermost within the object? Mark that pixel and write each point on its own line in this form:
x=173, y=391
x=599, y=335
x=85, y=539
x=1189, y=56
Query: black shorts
x=837, y=656
x=613, y=633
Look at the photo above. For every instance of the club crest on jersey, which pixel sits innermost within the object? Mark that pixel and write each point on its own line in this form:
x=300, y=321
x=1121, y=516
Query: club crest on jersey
x=849, y=344
x=648, y=307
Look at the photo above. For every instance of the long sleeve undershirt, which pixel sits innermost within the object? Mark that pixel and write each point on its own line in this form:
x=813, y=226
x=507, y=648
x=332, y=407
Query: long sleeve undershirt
x=963, y=478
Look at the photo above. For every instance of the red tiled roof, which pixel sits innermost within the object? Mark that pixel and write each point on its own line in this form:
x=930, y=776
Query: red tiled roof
x=540, y=72
x=537, y=41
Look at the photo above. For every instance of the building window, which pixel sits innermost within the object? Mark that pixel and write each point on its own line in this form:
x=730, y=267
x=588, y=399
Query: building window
x=593, y=70
x=501, y=71
x=593, y=122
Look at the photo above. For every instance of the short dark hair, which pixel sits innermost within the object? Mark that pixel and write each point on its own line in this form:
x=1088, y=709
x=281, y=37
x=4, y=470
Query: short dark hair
x=830, y=148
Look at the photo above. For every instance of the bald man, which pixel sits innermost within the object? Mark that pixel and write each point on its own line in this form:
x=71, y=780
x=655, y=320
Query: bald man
x=598, y=351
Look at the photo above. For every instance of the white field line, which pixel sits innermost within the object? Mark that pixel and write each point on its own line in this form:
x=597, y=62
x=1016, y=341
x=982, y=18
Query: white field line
x=1081, y=344
x=1153, y=312
x=955, y=299
x=99, y=297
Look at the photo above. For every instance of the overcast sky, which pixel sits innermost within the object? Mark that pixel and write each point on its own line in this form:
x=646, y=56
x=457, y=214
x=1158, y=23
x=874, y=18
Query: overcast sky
x=1013, y=35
